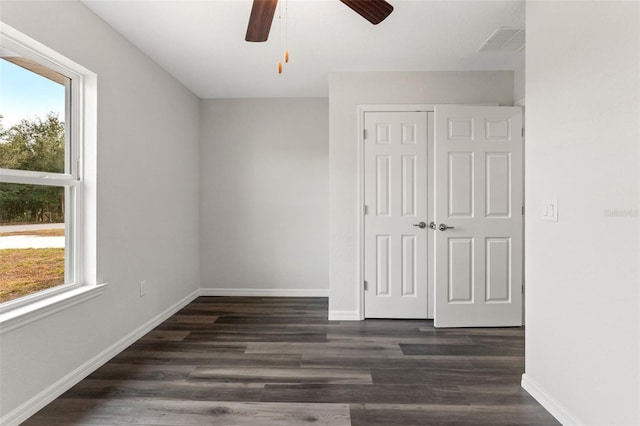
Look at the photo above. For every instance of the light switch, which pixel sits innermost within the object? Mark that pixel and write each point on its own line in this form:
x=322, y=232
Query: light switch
x=550, y=210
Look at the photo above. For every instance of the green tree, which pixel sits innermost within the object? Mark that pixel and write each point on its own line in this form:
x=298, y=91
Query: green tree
x=35, y=145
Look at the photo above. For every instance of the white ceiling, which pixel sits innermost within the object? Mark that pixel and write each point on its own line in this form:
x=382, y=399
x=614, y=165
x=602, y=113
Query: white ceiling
x=202, y=42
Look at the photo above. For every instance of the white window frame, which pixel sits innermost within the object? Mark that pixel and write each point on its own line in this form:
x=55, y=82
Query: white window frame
x=78, y=178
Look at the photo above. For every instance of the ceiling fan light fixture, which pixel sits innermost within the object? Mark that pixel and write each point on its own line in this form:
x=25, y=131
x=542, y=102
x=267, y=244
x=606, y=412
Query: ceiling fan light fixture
x=262, y=12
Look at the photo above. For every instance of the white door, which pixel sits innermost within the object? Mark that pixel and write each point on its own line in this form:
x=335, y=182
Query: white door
x=395, y=195
x=478, y=196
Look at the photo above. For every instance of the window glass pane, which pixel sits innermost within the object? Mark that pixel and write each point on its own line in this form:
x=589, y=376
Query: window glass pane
x=32, y=241
x=32, y=110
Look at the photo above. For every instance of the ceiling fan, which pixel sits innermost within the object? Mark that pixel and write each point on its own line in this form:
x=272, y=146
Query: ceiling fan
x=262, y=11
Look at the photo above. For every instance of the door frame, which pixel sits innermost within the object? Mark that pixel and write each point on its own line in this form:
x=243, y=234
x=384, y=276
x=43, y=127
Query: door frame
x=362, y=110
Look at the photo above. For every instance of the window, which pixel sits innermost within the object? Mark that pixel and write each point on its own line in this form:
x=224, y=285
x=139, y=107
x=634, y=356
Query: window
x=43, y=172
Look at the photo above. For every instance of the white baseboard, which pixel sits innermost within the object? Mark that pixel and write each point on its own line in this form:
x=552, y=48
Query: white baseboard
x=39, y=401
x=264, y=292
x=344, y=316
x=556, y=409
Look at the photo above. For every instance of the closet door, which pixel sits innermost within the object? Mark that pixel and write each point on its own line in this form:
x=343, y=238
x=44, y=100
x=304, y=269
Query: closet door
x=395, y=228
x=478, y=211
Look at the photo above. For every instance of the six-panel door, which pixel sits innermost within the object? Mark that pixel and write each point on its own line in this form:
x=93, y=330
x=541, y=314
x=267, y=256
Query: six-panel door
x=478, y=195
x=395, y=189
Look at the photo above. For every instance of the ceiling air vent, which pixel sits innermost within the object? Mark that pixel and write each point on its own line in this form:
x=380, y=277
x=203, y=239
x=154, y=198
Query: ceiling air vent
x=504, y=40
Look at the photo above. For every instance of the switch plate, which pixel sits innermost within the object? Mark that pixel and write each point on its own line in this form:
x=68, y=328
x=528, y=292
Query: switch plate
x=143, y=287
x=550, y=210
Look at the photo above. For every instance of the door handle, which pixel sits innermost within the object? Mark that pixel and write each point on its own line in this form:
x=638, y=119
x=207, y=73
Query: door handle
x=444, y=227
x=433, y=225
x=420, y=225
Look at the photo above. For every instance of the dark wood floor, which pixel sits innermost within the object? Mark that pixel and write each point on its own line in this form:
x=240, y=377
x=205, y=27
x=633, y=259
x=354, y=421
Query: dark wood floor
x=278, y=361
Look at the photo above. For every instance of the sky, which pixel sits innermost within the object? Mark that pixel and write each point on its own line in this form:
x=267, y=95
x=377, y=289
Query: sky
x=24, y=94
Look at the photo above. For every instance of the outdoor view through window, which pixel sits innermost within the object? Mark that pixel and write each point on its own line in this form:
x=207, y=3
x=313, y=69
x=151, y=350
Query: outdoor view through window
x=32, y=145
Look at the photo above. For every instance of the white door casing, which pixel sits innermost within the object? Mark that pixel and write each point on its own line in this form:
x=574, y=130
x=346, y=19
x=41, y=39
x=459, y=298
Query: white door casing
x=395, y=196
x=478, y=192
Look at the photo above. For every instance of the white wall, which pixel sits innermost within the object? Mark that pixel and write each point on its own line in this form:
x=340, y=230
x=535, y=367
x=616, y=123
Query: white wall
x=346, y=92
x=264, y=202
x=147, y=201
x=582, y=149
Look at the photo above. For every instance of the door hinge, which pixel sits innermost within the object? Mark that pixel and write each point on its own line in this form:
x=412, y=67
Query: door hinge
x=522, y=210
x=366, y=210
x=364, y=133
x=366, y=286
x=522, y=132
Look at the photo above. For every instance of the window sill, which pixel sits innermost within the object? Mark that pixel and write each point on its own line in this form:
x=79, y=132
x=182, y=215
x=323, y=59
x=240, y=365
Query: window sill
x=26, y=314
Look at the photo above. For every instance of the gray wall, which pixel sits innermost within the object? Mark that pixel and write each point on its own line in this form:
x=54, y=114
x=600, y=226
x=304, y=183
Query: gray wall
x=347, y=92
x=583, y=149
x=147, y=217
x=519, y=86
x=264, y=201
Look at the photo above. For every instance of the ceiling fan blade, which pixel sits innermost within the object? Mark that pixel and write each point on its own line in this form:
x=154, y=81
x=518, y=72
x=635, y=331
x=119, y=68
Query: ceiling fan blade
x=374, y=11
x=260, y=20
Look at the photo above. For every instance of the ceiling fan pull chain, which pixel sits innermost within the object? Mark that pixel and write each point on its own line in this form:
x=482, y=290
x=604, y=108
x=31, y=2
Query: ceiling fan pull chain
x=286, y=31
x=279, y=35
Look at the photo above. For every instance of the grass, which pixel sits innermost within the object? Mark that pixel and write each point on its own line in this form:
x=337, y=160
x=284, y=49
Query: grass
x=36, y=233
x=26, y=271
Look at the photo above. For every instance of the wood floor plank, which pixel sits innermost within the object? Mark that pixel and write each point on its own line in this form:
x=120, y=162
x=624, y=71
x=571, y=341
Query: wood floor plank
x=347, y=331
x=179, y=390
x=209, y=359
x=396, y=340
x=502, y=363
x=509, y=363
x=192, y=319
x=166, y=336
x=497, y=395
x=493, y=331
x=443, y=376
x=255, y=336
x=230, y=319
x=420, y=415
x=252, y=312
x=158, y=372
x=279, y=361
x=246, y=327
x=335, y=348
x=456, y=350
x=384, y=324
x=372, y=362
x=393, y=394
x=283, y=375
x=191, y=413
x=187, y=347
